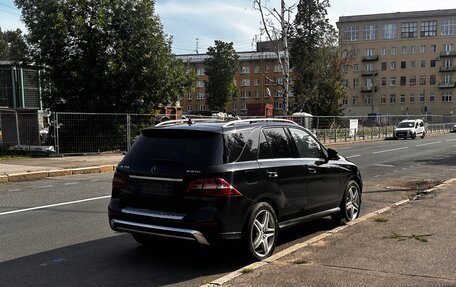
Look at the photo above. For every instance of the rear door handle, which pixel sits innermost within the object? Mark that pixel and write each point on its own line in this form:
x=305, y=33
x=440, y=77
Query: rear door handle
x=311, y=170
x=272, y=173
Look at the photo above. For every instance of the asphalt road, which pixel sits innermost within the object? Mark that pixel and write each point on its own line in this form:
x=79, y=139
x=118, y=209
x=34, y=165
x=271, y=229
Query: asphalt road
x=54, y=232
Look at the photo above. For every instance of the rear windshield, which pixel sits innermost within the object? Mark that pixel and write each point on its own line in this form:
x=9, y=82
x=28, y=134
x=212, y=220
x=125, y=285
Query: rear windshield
x=189, y=148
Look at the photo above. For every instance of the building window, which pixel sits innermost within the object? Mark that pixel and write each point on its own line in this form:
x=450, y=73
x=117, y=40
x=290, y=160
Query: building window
x=447, y=97
x=200, y=72
x=383, y=81
x=245, y=70
x=432, y=80
x=368, y=100
x=189, y=96
x=277, y=68
x=432, y=63
x=423, y=49
x=423, y=63
x=189, y=108
x=448, y=27
x=432, y=98
x=422, y=97
x=355, y=100
x=389, y=31
x=412, y=98
x=355, y=83
x=404, y=50
x=434, y=48
x=384, y=51
x=393, y=81
x=202, y=107
x=256, y=94
x=412, y=64
x=402, y=98
x=422, y=80
x=383, y=100
x=256, y=69
x=244, y=107
x=200, y=84
x=403, y=64
x=408, y=30
x=403, y=80
x=234, y=106
x=428, y=29
x=393, y=50
x=245, y=94
x=200, y=96
x=344, y=68
x=345, y=83
x=351, y=33
x=355, y=68
x=245, y=83
x=267, y=92
x=393, y=65
x=412, y=80
x=278, y=106
x=370, y=32
x=384, y=66
x=266, y=69
x=256, y=82
x=392, y=99
x=369, y=52
x=344, y=101
x=266, y=81
x=412, y=49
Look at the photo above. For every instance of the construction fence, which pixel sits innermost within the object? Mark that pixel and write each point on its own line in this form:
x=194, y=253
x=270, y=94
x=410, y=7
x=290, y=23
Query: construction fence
x=84, y=133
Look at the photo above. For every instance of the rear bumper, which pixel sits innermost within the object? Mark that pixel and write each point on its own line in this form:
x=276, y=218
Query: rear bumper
x=156, y=230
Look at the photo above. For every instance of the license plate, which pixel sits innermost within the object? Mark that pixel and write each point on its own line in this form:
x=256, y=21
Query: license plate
x=157, y=188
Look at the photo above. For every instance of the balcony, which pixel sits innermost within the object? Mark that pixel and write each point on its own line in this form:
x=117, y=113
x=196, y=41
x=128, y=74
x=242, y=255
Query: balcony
x=448, y=54
x=370, y=58
x=447, y=69
x=368, y=89
x=448, y=85
x=369, y=73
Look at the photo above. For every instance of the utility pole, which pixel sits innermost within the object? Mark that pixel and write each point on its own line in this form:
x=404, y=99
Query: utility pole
x=196, y=50
x=286, y=64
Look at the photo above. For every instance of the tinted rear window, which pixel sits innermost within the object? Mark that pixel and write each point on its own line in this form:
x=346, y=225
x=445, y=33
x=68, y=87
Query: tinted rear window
x=241, y=146
x=189, y=148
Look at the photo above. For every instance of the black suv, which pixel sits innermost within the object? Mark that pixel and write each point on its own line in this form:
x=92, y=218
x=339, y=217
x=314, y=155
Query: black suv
x=244, y=180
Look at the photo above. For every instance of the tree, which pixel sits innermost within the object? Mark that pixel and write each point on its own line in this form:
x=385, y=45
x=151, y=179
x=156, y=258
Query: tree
x=221, y=67
x=270, y=16
x=13, y=46
x=103, y=55
x=315, y=59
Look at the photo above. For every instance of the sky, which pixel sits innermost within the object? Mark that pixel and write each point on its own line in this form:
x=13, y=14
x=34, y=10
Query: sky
x=195, y=24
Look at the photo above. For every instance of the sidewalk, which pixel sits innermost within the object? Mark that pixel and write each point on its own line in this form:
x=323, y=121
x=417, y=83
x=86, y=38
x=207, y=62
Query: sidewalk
x=36, y=168
x=412, y=244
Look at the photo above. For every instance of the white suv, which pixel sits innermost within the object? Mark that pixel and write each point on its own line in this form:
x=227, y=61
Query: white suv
x=410, y=129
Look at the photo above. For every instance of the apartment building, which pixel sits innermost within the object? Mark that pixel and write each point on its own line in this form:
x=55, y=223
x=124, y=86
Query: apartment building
x=399, y=63
x=259, y=80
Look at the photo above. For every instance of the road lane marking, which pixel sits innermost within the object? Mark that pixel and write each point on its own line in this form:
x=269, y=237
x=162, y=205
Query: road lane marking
x=451, y=140
x=45, y=186
x=54, y=205
x=428, y=144
x=388, y=150
x=17, y=189
x=71, y=183
x=352, y=156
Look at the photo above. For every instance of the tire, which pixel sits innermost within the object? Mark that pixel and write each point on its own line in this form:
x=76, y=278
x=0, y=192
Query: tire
x=413, y=136
x=350, y=205
x=423, y=135
x=260, y=232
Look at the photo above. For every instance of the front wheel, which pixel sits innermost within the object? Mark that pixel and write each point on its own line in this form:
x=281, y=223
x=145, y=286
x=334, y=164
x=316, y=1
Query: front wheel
x=260, y=234
x=350, y=205
x=423, y=135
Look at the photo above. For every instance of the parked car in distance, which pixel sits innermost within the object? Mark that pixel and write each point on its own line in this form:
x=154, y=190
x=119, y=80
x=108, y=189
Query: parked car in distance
x=453, y=129
x=410, y=129
x=244, y=180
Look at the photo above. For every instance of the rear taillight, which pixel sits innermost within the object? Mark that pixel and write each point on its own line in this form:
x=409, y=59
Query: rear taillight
x=120, y=180
x=211, y=187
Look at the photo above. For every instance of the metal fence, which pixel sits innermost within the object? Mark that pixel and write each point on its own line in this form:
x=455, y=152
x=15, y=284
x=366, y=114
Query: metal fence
x=83, y=133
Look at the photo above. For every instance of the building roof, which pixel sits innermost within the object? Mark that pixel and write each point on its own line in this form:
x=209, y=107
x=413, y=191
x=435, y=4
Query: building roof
x=243, y=56
x=397, y=16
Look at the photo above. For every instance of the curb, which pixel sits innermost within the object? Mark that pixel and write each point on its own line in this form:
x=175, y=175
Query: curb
x=36, y=175
x=230, y=276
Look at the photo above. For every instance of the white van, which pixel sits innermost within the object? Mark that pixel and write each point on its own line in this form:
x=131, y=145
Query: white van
x=410, y=129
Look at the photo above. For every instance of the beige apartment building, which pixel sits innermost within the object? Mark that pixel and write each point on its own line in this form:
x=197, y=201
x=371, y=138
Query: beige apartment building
x=259, y=80
x=399, y=63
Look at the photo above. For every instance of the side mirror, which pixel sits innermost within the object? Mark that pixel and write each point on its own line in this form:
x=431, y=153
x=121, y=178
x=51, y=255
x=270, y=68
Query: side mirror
x=332, y=154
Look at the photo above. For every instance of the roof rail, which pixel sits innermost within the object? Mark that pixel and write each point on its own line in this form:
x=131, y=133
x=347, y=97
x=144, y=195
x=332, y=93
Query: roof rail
x=188, y=121
x=251, y=121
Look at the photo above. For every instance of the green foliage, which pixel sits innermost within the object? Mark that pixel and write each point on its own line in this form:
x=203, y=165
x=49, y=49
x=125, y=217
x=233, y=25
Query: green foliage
x=103, y=55
x=315, y=58
x=221, y=67
x=13, y=46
